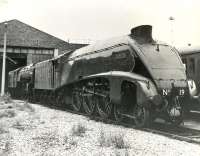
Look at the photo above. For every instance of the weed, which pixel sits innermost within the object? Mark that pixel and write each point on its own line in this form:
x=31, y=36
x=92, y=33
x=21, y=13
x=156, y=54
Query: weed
x=10, y=107
x=26, y=107
x=118, y=153
x=29, y=107
x=118, y=141
x=113, y=140
x=47, y=140
x=6, y=98
x=69, y=142
x=78, y=130
x=19, y=126
x=7, y=113
x=2, y=130
x=73, y=142
x=7, y=146
x=11, y=113
x=102, y=140
x=66, y=139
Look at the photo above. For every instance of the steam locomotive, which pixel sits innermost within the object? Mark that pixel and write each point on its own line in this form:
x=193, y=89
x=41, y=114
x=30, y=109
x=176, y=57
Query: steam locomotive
x=132, y=76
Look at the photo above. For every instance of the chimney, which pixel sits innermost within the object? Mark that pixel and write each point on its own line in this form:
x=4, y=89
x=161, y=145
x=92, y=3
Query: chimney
x=142, y=33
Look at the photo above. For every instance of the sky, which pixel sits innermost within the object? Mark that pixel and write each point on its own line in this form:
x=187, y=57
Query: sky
x=93, y=20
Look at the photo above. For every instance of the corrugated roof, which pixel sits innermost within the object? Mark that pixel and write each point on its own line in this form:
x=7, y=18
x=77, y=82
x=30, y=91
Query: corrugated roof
x=20, y=34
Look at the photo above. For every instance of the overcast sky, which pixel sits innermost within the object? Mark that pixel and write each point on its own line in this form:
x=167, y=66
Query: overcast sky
x=100, y=19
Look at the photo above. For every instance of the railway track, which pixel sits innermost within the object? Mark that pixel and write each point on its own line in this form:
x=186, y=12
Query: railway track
x=174, y=132
x=180, y=133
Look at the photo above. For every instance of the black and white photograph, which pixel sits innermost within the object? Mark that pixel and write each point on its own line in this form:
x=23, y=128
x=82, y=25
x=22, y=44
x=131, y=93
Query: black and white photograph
x=99, y=78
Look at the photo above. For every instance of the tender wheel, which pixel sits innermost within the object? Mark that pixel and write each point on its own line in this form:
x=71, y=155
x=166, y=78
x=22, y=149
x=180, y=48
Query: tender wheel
x=104, y=106
x=76, y=101
x=142, y=118
x=59, y=98
x=25, y=96
x=45, y=101
x=89, y=104
x=42, y=101
x=118, y=113
x=33, y=96
x=51, y=98
x=37, y=97
x=30, y=96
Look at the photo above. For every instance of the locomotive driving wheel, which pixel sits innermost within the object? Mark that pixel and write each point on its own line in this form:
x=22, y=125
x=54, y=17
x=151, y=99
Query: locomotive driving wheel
x=60, y=99
x=118, y=113
x=89, y=104
x=141, y=116
x=104, y=106
x=175, y=111
x=76, y=100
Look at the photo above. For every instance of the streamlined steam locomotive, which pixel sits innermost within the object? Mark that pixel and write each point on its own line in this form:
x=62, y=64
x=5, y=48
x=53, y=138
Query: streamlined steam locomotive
x=132, y=76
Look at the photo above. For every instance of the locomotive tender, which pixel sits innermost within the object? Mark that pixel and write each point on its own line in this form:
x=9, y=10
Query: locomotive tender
x=131, y=76
x=191, y=60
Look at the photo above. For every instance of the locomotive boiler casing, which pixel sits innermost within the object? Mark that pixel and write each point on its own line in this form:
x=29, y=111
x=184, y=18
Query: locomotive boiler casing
x=136, y=53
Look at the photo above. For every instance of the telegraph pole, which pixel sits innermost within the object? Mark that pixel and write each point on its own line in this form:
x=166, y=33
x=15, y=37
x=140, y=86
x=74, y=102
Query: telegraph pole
x=4, y=61
x=171, y=18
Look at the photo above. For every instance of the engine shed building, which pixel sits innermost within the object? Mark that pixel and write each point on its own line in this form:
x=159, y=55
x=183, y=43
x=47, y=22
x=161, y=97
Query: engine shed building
x=27, y=45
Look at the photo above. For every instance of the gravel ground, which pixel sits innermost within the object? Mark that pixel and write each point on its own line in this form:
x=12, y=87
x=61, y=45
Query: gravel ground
x=31, y=129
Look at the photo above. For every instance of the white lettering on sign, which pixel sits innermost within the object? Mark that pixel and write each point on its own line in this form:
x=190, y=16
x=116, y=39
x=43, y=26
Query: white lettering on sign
x=181, y=92
x=165, y=91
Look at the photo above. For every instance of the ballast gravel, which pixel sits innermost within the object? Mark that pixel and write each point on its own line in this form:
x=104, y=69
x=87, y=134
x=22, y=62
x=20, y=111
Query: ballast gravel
x=35, y=130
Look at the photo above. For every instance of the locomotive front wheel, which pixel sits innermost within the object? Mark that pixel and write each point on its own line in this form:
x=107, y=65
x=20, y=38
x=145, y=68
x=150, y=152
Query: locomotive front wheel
x=175, y=112
x=142, y=116
x=89, y=104
x=45, y=101
x=51, y=98
x=41, y=98
x=76, y=101
x=118, y=113
x=104, y=107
